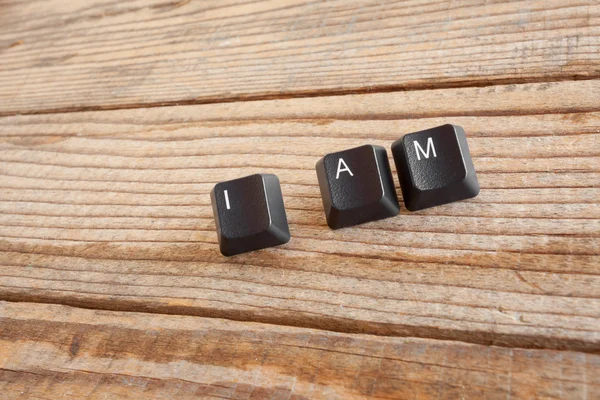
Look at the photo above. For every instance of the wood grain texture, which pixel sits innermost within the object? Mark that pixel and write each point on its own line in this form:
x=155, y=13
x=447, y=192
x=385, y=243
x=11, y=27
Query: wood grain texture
x=50, y=351
x=70, y=55
x=111, y=210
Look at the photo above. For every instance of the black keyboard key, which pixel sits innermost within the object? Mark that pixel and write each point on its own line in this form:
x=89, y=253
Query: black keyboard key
x=249, y=214
x=357, y=186
x=435, y=167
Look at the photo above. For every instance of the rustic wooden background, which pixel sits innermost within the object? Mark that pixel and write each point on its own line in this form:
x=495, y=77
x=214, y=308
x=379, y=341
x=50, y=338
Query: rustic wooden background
x=118, y=117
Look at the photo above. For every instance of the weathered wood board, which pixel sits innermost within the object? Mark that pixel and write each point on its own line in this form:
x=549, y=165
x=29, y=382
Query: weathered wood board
x=50, y=351
x=111, y=210
x=117, y=118
x=69, y=55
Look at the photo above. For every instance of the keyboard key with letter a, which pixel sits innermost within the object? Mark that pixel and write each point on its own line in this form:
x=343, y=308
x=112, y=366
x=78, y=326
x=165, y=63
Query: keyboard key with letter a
x=357, y=186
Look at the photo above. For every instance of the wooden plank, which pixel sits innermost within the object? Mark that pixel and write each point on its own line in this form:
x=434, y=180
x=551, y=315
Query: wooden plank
x=51, y=351
x=57, y=55
x=111, y=210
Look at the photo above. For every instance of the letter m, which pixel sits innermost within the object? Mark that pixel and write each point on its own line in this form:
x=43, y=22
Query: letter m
x=430, y=146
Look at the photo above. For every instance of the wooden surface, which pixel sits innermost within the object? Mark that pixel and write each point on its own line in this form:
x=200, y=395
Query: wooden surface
x=90, y=353
x=117, y=118
x=62, y=55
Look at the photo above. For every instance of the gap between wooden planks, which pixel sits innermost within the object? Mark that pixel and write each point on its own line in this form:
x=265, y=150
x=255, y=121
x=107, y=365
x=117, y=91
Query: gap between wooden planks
x=57, y=55
x=111, y=210
x=57, y=351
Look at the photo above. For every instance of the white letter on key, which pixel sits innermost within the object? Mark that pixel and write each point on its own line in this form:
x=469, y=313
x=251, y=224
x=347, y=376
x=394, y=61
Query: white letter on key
x=226, y=199
x=429, y=146
x=345, y=169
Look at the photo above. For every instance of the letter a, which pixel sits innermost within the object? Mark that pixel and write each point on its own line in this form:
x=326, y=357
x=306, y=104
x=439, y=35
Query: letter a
x=340, y=169
x=419, y=148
